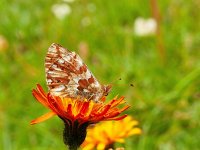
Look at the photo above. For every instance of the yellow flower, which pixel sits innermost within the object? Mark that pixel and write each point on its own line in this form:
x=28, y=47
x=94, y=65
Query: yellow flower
x=107, y=133
x=77, y=114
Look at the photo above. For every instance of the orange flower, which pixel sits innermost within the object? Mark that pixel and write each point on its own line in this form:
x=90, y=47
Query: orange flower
x=77, y=114
x=105, y=134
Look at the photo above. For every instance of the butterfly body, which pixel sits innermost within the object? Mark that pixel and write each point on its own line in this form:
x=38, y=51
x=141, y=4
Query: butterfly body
x=68, y=76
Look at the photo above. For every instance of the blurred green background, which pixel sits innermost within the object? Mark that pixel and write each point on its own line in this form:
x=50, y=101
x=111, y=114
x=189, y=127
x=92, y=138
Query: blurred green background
x=164, y=66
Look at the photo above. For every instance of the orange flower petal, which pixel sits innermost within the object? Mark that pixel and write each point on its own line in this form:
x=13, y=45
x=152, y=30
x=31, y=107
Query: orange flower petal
x=118, y=118
x=43, y=117
x=78, y=109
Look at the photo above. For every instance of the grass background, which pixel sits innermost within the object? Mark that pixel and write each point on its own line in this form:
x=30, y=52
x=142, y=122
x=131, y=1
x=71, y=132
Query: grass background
x=164, y=68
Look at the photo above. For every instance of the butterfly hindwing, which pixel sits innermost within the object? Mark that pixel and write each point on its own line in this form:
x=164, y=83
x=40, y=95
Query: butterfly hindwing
x=67, y=75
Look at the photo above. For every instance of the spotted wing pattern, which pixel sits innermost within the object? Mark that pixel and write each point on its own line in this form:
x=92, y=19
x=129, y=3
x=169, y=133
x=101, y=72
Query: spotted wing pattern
x=68, y=76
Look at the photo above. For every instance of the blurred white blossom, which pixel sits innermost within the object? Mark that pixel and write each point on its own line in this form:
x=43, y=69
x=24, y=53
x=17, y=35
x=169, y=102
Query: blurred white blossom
x=91, y=7
x=145, y=27
x=61, y=10
x=69, y=1
x=86, y=21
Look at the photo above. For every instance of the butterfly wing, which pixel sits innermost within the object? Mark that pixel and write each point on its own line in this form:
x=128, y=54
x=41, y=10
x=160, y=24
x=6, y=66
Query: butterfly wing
x=67, y=75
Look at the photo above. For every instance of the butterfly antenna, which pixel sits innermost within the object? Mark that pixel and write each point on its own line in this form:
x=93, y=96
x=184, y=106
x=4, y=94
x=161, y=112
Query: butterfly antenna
x=114, y=81
x=120, y=79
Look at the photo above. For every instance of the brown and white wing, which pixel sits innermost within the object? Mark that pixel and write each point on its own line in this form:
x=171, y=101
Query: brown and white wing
x=67, y=75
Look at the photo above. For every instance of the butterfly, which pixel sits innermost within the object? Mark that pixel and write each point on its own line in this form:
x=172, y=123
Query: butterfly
x=68, y=76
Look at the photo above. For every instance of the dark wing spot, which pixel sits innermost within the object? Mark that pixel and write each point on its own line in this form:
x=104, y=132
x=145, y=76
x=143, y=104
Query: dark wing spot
x=91, y=80
x=51, y=86
x=83, y=68
x=80, y=88
x=83, y=83
x=64, y=80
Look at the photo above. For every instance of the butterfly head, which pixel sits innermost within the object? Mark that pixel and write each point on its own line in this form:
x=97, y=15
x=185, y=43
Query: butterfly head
x=107, y=89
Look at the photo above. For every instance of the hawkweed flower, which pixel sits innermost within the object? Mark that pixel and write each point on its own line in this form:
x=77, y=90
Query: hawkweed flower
x=105, y=134
x=77, y=114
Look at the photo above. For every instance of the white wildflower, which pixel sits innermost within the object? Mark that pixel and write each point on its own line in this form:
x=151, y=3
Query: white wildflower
x=91, y=7
x=69, y=1
x=86, y=21
x=61, y=10
x=145, y=27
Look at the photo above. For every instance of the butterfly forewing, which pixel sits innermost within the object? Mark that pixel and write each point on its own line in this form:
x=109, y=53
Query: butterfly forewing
x=67, y=75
